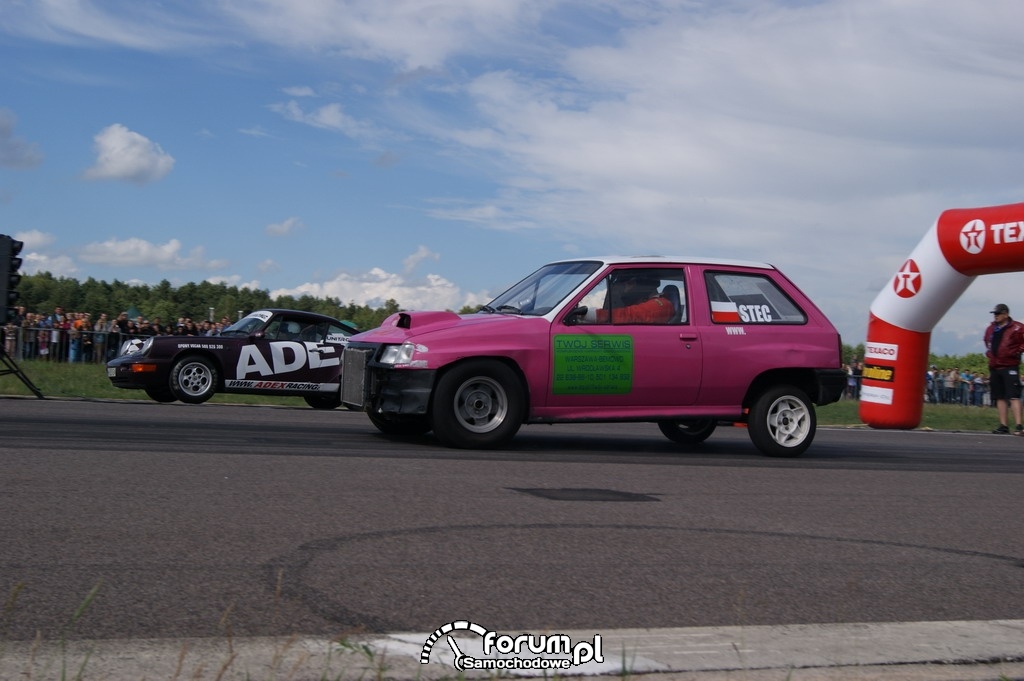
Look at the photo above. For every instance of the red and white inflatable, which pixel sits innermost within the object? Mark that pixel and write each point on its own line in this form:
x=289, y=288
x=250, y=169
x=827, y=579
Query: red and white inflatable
x=963, y=243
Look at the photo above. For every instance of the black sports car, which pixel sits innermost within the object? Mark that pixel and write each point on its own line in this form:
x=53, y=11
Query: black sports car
x=271, y=352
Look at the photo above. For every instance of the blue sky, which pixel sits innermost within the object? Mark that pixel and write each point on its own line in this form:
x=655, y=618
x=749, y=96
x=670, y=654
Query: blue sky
x=435, y=151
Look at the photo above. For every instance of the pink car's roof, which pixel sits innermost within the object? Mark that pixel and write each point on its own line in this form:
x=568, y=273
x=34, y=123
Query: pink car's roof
x=669, y=259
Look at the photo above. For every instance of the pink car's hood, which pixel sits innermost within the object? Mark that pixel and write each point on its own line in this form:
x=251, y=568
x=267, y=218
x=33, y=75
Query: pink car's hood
x=404, y=325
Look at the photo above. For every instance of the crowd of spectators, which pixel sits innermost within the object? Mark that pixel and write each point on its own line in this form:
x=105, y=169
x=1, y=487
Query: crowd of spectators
x=62, y=336
x=942, y=386
x=953, y=386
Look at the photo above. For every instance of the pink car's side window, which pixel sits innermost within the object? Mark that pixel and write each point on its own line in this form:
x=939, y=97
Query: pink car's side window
x=737, y=298
x=638, y=296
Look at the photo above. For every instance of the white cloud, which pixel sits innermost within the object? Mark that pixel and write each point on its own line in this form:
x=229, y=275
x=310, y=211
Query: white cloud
x=409, y=33
x=135, y=252
x=35, y=239
x=422, y=253
x=299, y=91
x=235, y=280
x=16, y=152
x=328, y=117
x=255, y=131
x=122, y=154
x=267, y=266
x=377, y=286
x=125, y=23
x=284, y=228
x=57, y=265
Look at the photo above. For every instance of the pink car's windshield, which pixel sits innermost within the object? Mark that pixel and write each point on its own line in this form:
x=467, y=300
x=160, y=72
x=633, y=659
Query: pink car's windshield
x=543, y=290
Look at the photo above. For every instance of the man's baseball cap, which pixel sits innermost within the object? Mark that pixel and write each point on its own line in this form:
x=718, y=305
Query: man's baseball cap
x=1001, y=309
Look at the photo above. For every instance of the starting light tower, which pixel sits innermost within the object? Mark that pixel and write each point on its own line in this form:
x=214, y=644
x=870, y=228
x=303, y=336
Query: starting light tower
x=10, y=263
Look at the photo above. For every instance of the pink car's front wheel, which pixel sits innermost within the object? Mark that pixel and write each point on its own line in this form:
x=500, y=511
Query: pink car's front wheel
x=478, y=405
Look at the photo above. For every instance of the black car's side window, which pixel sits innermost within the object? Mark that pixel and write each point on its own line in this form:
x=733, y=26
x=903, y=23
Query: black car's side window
x=284, y=328
x=313, y=332
x=270, y=333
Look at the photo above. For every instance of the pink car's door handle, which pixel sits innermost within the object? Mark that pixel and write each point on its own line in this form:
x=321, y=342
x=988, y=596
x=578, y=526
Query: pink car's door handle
x=688, y=336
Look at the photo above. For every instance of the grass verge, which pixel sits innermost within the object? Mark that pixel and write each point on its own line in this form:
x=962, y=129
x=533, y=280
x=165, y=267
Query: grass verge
x=90, y=381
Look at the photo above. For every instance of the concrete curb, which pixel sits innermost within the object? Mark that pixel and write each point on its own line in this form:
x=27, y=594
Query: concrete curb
x=925, y=651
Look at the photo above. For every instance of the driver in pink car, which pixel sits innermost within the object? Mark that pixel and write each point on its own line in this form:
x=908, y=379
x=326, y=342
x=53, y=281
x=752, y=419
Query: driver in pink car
x=636, y=300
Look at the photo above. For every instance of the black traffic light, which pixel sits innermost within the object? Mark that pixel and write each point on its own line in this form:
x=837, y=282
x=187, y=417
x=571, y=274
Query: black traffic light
x=10, y=263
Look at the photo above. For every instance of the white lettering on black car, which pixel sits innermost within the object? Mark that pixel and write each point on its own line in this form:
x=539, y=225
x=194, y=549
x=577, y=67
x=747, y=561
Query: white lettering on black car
x=280, y=385
x=285, y=357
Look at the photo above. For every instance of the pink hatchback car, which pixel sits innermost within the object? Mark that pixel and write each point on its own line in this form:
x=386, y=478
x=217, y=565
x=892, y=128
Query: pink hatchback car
x=684, y=343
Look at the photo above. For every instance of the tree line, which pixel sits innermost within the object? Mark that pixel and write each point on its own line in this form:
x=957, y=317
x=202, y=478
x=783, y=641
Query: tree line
x=42, y=292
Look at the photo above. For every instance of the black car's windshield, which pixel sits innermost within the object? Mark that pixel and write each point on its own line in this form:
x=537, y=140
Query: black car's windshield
x=246, y=326
x=543, y=290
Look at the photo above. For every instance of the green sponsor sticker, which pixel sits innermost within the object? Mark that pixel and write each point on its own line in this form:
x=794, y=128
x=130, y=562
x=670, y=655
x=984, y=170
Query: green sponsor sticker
x=593, y=365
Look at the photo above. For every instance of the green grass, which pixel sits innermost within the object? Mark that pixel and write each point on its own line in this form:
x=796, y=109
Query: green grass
x=90, y=381
x=934, y=417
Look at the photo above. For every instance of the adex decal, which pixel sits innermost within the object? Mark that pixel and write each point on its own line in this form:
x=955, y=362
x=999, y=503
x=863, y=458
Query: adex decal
x=285, y=357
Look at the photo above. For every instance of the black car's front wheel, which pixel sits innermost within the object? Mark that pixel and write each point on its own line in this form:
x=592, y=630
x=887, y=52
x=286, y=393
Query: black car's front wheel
x=400, y=426
x=478, y=405
x=193, y=379
x=161, y=394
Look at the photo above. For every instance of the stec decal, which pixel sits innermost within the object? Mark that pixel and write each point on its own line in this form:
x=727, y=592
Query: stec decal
x=755, y=313
x=527, y=651
x=286, y=356
x=907, y=282
x=879, y=373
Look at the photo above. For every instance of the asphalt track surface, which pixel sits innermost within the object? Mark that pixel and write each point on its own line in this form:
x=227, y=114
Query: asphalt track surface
x=236, y=528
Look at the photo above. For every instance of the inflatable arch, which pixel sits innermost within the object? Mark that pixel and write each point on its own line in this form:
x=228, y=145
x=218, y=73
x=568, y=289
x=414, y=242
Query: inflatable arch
x=962, y=244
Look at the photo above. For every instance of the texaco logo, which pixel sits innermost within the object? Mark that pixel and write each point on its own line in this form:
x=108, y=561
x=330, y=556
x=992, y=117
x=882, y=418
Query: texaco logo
x=907, y=282
x=972, y=237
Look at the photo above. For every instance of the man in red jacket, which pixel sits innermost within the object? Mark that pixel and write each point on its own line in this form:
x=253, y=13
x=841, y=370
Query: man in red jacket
x=636, y=300
x=1004, y=341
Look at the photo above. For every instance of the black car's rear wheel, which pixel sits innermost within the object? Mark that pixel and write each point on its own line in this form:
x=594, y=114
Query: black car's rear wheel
x=688, y=432
x=323, y=401
x=193, y=379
